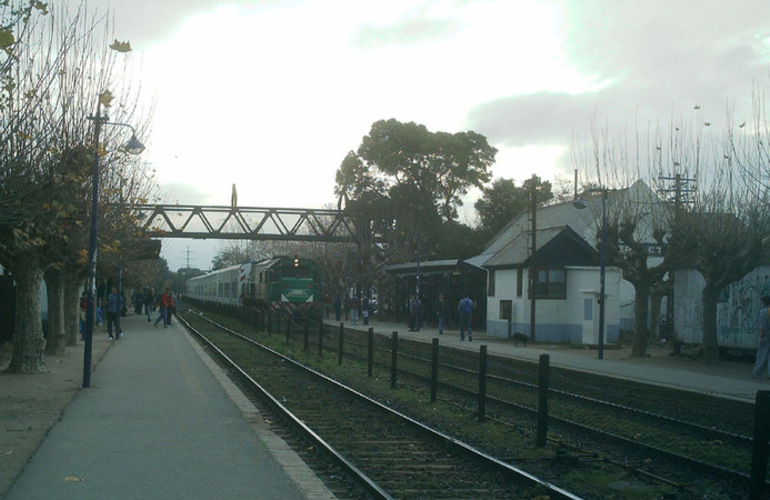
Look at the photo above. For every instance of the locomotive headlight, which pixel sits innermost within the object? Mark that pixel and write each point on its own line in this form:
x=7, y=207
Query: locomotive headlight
x=296, y=261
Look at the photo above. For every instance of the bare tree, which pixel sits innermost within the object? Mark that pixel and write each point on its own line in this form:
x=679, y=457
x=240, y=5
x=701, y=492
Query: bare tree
x=718, y=229
x=64, y=66
x=610, y=164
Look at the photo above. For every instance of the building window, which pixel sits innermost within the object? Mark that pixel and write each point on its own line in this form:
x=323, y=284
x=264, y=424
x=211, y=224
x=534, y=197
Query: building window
x=506, y=308
x=491, y=286
x=519, y=281
x=551, y=284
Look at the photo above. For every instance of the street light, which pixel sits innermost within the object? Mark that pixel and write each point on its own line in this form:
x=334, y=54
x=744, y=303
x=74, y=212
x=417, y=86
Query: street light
x=580, y=204
x=134, y=147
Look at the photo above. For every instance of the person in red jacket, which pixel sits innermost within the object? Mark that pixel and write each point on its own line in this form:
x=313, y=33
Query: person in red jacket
x=163, y=304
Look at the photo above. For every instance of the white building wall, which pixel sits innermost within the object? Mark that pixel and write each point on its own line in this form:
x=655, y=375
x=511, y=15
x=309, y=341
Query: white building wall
x=574, y=319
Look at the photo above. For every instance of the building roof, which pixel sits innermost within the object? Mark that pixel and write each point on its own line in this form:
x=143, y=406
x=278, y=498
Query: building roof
x=566, y=235
x=556, y=247
x=432, y=266
x=510, y=247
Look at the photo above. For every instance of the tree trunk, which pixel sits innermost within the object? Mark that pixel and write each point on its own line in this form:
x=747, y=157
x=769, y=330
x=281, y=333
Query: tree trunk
x=28, y=340
x=72, y=286
x=641, y=331
x=54, y=345
x=654, y=322
x=709, y=321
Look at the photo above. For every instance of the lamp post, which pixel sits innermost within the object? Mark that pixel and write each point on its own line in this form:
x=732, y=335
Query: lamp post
x=580, y=204
x=133, y=146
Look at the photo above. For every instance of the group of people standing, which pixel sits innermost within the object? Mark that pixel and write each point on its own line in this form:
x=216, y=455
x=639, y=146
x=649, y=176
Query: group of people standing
x=362, y=308
x=356, y=308
x=441, y=312
x=115, y=309
x=145, y=302
x=165, y=303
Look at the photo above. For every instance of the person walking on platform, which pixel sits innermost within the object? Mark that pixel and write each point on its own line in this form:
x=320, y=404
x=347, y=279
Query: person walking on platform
x=171, y=309
x=414, y=313
x=114, y=310
x=163, y=304
x=149, y=302
x=366, y=307
x=354, y=305
x=440, y=310
x=465, y=308
x=763, y=347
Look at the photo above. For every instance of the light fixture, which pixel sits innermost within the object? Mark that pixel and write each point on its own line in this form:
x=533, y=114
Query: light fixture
x=133, y=146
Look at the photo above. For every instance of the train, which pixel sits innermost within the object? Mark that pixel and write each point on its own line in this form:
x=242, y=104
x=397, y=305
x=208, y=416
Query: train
x=289, y=284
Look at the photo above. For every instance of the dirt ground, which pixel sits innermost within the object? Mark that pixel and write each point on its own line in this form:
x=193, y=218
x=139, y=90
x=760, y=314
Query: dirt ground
x=31, y=404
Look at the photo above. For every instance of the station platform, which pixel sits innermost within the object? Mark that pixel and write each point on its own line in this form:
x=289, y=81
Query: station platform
x=161, y=420
x=728, y=379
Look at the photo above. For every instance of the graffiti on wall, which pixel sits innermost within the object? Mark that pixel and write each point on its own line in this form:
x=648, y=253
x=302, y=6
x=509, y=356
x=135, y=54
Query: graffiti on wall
x=737, y=317
x=736, y=314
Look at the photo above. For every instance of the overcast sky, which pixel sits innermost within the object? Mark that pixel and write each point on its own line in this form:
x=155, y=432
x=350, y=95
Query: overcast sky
x=270, y=95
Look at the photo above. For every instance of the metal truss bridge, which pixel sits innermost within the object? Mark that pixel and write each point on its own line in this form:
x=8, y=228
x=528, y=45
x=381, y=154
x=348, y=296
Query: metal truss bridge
x=245, y=223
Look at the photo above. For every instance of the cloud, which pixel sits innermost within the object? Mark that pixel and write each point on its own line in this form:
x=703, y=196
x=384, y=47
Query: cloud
x=408, y=32
x=183, y=194
x=651, y=62
x=542, y=118
x=144, y=22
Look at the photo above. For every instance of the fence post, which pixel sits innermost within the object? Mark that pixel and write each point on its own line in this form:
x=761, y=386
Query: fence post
x=482, y=383
x=760, y=452
x=393, y=359
x=341, y=343
x=433, y=370
x=321, y=338
x=370, y=351
x=510, y=327
x=306, y=334
x=542, y=407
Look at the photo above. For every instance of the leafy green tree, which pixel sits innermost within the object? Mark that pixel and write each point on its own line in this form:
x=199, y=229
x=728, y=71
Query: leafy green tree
x=503, y=201
x=404, y=183
x=440, y=167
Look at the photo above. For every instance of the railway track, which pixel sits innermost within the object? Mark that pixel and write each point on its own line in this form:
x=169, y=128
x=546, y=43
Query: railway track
x=595, y=416
x=639, y=457
x=388, y=454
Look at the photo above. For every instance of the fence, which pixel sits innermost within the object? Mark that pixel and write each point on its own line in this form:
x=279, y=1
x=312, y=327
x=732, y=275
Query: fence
x=562, y=404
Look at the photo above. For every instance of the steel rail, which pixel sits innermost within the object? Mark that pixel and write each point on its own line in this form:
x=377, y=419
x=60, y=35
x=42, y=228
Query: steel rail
x=364, y=480
x=556, y=491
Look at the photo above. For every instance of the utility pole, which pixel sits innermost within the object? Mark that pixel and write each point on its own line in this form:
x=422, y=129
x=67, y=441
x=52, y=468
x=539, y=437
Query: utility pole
x=679, y=190
x=532, y=263
x=680, y=193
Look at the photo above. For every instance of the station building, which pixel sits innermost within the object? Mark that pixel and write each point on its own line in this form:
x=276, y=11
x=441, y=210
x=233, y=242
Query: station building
x=565, y=269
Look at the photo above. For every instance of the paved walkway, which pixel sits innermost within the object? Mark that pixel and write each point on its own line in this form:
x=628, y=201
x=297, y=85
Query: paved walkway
x=726, y=379
x=156, y=423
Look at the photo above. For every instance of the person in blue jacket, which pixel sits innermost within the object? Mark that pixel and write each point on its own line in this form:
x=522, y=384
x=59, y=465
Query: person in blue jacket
x=465, y=309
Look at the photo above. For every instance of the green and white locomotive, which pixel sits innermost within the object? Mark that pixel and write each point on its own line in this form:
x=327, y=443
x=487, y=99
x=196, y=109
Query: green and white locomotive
x=285, y=283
